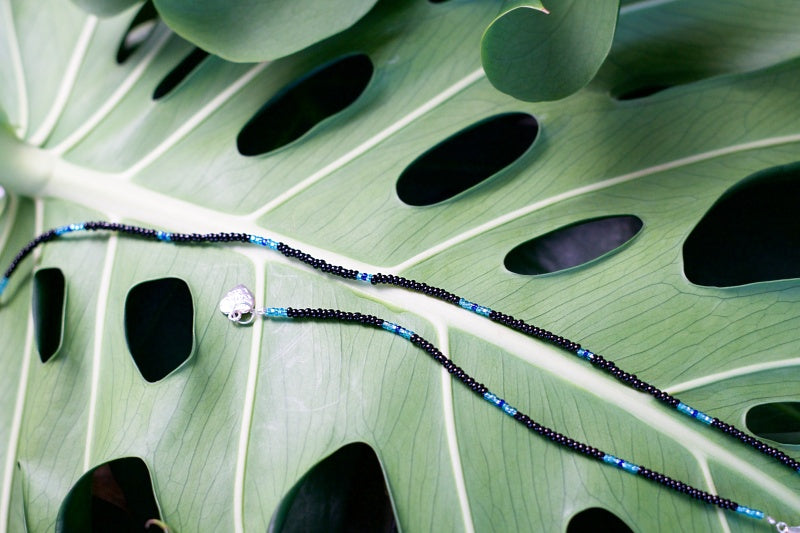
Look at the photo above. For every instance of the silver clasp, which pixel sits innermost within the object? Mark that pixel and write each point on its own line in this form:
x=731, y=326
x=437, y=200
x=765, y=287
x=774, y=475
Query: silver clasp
x=238, y=305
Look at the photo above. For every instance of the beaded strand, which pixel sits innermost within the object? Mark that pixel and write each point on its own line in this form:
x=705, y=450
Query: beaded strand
x=482, y=391
x=598, y=361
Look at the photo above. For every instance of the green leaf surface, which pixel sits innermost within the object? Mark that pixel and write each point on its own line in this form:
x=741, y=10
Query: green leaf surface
x=538, y=53
x=105, y=8
x=230, y=432
x=259, y=30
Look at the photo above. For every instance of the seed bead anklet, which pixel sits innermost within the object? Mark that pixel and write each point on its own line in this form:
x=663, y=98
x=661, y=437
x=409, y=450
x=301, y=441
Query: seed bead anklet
x=245, y=314
x=596, y=360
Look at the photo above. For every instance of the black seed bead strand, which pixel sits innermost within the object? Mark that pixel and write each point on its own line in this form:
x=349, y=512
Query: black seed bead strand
x=318, y=264
x=416, y=286
x=480, y=389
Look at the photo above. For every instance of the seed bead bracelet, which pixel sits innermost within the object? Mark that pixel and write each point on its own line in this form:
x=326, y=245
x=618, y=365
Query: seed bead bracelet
x=238, y=305
x=247, y=312
x=596, y=360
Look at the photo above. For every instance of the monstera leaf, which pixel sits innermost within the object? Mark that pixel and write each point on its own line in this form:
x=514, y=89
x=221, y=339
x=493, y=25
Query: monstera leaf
x=385, y=148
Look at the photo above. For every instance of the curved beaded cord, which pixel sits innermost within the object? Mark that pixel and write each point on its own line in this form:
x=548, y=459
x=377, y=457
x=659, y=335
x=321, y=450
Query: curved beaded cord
x=376, y=279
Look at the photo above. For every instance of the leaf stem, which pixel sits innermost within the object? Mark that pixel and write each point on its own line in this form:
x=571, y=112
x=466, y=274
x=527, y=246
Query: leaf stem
x=25, y=168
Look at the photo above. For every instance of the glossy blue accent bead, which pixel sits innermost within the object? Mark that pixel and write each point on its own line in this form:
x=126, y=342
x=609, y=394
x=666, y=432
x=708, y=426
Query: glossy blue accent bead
x=610, y=459
x=3, y=284
x=61, y=230
x=510, y=411
x=272, y=245
x=475, y=308
x=630, y=467
x=585, y=354
x=752, y=513
x=489, y=397
x=76, y=227
x=363, y=276
x=163, y=236
x=276, y=312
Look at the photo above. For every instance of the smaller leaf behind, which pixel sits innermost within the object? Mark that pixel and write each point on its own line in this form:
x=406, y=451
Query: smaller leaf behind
x=259, y=30
x=535, y=55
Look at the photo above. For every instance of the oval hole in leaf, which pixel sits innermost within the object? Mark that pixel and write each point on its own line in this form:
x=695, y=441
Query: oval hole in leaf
x=159, y=326
x=597, y=519
x=345, y=492
x=49, y=304
x=304, y=103
x=750, y=234
x=778, y=421
x=112, y=497
x=467, y=158
x=139, y=30
x=179, y=73
x=572, y=245
x=642, y=91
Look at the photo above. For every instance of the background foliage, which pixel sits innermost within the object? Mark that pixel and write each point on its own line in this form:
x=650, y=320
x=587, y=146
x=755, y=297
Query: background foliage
x=228, y=434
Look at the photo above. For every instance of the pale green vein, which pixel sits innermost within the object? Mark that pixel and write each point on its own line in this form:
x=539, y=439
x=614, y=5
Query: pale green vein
x=7, y=16
x=604, y=184
x=644, y=4
x=123, y=89
x=189, y=126
x=448, y=412
x=733, y=373
x=103, y=290
x=712, y=488
x=370, y=143
x=19, y=403
x=10, y=216
x=260, y=289
x=16, y=426
x=67, y=83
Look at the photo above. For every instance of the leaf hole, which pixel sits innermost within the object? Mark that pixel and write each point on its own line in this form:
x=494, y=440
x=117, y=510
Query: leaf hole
x=597, y=519
x=112, y=497
x=750, y=234
x=140, y=29
x=49, y=305
x=572, y=245
x=304, y=103
x=179, y=73
x=467, y=158
x=777, y=421
x=159, y=326
x=345, y=492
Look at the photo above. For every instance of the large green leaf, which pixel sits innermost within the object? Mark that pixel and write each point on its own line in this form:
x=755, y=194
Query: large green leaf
x=228, y=434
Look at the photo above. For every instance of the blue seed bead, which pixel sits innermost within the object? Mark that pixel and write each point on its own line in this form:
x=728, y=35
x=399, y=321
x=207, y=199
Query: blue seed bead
x=397, y=330
x=276, y=312
x=630, y=467
x=272, y=245
x=619, y=463
x=510, y=411
x=585, y=354
x=3, y=284
x=61, y=230
x=475, y=308
x=752, y=513
x=163, y=236
x=363, y=276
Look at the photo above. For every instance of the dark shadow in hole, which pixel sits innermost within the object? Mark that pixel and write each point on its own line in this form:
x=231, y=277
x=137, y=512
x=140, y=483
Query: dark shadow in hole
x=49, y=304
x=139, y=30
x=344, y=493
x=159, y=326
x=114, y=497
x=778, y=421
x=467, y=158
x=597, y=519
x=642, y=91
x=304, y=103
x=572, y=245
x=750, y=234
x=179, y=73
